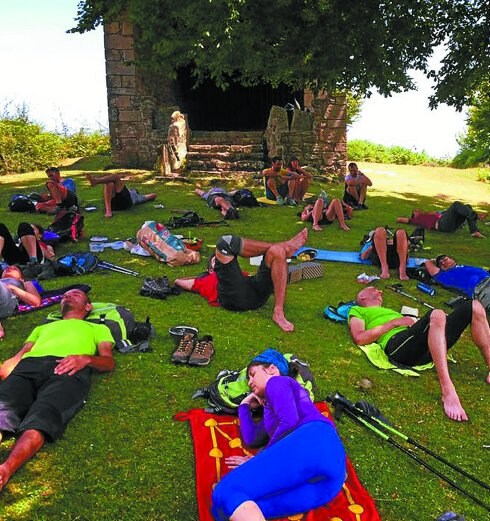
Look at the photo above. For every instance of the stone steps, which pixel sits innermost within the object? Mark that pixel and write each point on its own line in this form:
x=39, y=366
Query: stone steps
x=225, y=153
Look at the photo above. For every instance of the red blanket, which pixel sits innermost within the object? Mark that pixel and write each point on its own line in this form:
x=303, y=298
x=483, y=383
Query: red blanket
x=216, y=436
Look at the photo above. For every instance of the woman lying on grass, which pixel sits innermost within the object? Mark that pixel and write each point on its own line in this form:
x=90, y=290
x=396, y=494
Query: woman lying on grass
x=303, y=463
x=323, y=213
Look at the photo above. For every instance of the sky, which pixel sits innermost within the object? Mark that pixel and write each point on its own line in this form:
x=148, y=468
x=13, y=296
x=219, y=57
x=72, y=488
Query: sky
x=60, y=78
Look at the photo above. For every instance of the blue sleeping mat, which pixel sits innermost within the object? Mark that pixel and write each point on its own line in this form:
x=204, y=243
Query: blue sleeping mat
x=351, y=256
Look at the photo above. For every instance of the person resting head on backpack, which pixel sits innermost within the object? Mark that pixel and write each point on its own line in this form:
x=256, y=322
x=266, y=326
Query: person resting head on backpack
x=297, y=438
x=221, y=200
x=116, y=194
x=13, y=290
x=29, y=248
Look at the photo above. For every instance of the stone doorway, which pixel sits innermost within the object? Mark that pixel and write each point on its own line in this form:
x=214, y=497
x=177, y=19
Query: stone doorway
x=237, y=108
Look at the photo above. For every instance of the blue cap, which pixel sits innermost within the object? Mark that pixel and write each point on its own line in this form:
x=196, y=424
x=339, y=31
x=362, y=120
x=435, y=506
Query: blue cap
x=271, y=356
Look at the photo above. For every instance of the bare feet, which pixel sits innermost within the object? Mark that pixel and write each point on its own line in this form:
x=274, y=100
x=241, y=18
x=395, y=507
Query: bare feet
x=488, y=379
x=2, y=332
x=279, y=318
x=317, y=228
x=345, y=227
x=403, y=275
x=453, y=408
x=4, y=476
x=91, y=180
x=478, y=235
x=482, y=215
x=108, y=214
x=296, y=242
x=385, y=274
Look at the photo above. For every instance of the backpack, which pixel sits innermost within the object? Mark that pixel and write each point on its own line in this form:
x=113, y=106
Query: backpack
x=245, y=197
x=68, y=225
x=21, y=203
x=164, y=246
x=119, y=320
x=340, y=313
x=231, y=387
x=189, y=218
x=77, y=263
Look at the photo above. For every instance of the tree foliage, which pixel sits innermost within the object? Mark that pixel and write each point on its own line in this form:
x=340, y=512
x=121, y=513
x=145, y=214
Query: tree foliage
x=320, y=44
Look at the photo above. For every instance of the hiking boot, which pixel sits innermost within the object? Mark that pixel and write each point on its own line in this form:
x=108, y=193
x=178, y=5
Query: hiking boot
x=156, y=288
x=184, y=349
x=291, y=202
x=280, y=201
x=363, y=206
x=203, y=351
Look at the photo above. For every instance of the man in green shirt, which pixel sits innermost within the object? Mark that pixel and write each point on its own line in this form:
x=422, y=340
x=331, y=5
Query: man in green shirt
x=411, y=342
x=48, y=380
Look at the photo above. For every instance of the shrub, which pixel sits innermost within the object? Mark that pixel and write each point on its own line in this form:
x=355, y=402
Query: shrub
x=83, y=144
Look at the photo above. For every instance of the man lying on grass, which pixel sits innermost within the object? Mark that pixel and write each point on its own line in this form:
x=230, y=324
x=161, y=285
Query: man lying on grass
x=48, y=380
x=410, y=342
x=225, y=284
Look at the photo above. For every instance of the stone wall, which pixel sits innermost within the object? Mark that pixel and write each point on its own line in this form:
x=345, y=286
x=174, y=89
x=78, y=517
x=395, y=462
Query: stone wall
x=138, y=119
x=318, y=136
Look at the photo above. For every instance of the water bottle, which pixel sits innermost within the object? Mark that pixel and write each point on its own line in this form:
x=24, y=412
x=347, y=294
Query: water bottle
x=426, y=289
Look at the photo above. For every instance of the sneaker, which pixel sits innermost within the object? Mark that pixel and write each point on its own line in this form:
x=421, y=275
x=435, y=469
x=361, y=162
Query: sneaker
x=363, y=206
x=156, y=288
x=291, y=202
x=203, y=351
x=184, y=350
x=280, y=201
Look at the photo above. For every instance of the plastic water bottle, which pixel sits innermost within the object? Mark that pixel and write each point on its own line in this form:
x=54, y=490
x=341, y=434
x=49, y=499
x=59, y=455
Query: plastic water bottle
x=426, y=289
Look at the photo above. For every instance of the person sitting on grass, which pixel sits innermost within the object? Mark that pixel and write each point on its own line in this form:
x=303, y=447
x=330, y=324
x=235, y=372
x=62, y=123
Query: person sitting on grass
x=225, y=284
x=387, y=251
x=31, y=247
x=303, y=464
x=301, y=178
x=356, y=184
x=412, y=342
x=447, y=221
x=221, y=200
x=116, y=194
x=278, y=185
x=48, y=380
x=13, y=290
x=323, y=213
x=472, y=281
x=59, y=196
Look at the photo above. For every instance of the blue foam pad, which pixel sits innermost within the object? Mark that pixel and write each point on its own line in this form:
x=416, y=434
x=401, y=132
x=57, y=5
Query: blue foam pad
x=351, y=256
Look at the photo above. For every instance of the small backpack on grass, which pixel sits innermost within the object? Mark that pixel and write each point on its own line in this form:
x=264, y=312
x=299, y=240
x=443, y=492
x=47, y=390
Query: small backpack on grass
x=77, y=263
x=340, y=313
x=68, y=226
x=231, y=387
x=22, y=203
x=125, y=330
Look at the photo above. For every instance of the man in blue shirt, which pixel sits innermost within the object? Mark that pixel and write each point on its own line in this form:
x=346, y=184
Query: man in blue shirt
x=472, y=281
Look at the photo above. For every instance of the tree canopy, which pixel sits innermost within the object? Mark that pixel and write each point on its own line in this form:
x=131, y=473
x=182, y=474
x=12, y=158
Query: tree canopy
x=319, y=44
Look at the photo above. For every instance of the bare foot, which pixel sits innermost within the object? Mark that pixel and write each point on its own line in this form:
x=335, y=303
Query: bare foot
x=4, y=476
x=345, y=228
x=478, y=235
x=482, y=215
x=385, y=275
x=279, y=318
x=296, y=242
x=453, y=408
x=2, y=332
x=108, y=214
x=488, y=379
x=403, y=275
x=317, y=228
x=91, y=180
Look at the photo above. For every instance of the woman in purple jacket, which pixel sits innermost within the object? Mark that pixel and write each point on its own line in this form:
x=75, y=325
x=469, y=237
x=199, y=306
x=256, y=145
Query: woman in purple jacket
x=303, y=463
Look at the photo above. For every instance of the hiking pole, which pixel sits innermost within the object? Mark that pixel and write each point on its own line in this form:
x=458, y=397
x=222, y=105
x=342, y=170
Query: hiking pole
x=118, y=269
x=340, y=401
x=371, y=413
x=398, y=288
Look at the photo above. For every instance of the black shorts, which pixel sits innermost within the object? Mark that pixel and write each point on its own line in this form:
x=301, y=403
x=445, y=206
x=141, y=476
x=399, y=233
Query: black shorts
x=391, y=256
x=411, y=347
x=211, y=200
x=33, y=397
x=70, y=200
x=122, y=200
x=323, y=220
x=237, y=292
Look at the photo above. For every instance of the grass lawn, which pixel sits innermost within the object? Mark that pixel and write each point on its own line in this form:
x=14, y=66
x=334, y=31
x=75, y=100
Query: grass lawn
x=124, y=457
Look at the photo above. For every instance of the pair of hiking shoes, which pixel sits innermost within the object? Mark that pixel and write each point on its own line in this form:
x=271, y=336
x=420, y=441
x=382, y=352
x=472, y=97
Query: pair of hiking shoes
x=281, y=201
x=194, y=351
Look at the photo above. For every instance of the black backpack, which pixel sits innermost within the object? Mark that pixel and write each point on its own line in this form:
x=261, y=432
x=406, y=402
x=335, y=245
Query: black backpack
x=245, y=197
x=231, y=387
x=21, y=203
x=187, y=219
x=68, y=226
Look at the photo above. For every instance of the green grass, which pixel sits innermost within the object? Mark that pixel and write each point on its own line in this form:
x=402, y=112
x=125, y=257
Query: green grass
x=124, y=457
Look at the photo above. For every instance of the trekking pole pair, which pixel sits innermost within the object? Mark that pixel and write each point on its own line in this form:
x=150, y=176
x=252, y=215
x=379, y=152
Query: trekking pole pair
x=369, y=416
x=118, y=269
x=398, y=288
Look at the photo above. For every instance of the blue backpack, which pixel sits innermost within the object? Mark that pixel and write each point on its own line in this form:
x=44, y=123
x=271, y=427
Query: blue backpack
x=78, y=263
x=340, y=313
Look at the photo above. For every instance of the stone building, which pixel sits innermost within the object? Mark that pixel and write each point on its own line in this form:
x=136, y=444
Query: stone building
x=231, y=131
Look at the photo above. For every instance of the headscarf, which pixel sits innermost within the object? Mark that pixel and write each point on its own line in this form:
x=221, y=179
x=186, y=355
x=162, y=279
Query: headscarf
x=271, y=356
